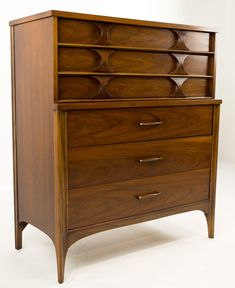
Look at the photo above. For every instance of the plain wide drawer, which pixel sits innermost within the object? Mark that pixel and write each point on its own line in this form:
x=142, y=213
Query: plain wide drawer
x=113, y=163
x=97, y=204
x=108, y=126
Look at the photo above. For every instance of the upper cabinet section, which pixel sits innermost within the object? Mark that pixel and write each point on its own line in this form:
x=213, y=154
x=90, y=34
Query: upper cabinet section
x=107, y=58
x=110, y=60
x=111, y=34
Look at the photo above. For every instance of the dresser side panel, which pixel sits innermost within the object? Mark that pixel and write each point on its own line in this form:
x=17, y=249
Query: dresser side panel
x=34, y=92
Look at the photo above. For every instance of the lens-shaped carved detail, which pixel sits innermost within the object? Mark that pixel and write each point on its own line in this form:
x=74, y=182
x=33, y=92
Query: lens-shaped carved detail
x=103, y=92
x=124, y=87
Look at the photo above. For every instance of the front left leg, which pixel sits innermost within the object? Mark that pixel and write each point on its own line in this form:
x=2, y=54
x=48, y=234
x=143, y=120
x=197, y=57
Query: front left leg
x=19, y=227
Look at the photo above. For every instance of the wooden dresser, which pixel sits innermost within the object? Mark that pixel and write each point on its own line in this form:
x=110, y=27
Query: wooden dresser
x=114, y=123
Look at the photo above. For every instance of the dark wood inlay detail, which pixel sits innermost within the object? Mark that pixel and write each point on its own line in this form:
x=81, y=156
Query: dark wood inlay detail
x=180, y=40
x=178, y=92
x=103, y=89
x=103, y=65
x=179, y=69
x=104, y=37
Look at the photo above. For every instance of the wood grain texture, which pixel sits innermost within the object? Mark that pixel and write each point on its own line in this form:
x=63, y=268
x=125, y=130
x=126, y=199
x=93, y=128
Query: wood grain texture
x=113, y=163
x=55, y=54
x=132, y=103
x=76, y=59
x=18, y=232
x=34, y=93
x=127, y=87
x=19, y=225
x=87, y=32
x=76, y=234
x=212, y=63
x=197, y=41
x=76, y=73
x=60, y=183
x=210, y=216
x=74, y=15
x=110, y=126
x=98, y=204
x=135, y=49
x=132, y=64
x=72, y=59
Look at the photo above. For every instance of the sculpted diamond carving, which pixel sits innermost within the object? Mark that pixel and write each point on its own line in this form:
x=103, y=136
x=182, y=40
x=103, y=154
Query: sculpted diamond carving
x=180, y=42
x=104, y=34
x=178, y=92
x=179, y=69
x=103, y=89
x=104, y=55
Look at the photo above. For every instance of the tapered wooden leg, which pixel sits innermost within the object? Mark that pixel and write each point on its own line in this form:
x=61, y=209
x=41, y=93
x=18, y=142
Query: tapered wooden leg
x=60, y=256
x=19, y=227
x=210, y=218
x=210, y=214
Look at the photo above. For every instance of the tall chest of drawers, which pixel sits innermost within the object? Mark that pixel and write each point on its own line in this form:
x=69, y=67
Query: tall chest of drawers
x=114, y=123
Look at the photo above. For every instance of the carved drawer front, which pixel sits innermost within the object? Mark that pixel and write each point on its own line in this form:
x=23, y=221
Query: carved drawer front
x=73, y=87
x=118, y=61
x=113, y=163
x=101, y=33
x=107, y=202
x=109, y=126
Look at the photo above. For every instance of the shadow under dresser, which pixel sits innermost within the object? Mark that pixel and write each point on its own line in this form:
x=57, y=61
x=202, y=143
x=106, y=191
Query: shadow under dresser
x=114, y=123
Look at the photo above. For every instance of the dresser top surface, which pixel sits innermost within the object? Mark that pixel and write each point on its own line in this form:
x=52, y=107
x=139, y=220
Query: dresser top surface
x=91, y=17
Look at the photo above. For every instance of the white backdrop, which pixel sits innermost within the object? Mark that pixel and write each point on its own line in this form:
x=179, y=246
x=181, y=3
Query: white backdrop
x=199, y=12
x=177, y=244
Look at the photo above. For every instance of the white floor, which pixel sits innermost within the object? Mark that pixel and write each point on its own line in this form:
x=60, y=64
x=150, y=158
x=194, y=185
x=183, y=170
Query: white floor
x=170, y=252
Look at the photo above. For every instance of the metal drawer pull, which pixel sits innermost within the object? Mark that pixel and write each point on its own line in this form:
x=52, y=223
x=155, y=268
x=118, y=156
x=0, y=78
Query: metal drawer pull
x=147, y=160
x=150, y=123
x=146, y=196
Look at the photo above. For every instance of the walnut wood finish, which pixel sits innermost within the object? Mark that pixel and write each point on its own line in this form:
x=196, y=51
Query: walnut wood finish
x=210, y=215
x=114, y=123
x=90, y=17
x=76, y=62
x=33, y=122
x=90, y=205
x=110, y=126
x=83, y=32
x=123, y=87
x=76, y=234
x=104, y=60
x=134, y=103
x=137, y=49
x=105, y=164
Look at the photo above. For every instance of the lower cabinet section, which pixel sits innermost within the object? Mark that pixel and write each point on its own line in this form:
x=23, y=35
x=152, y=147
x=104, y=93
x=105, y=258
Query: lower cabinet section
x=98, y=204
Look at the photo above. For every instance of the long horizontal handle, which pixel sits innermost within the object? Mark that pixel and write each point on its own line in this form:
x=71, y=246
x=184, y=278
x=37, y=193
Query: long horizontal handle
x=147, y=160
x=156, y=123
x=146, y=196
